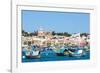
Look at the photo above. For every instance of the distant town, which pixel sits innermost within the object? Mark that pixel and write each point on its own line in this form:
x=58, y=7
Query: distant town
x=43, y=38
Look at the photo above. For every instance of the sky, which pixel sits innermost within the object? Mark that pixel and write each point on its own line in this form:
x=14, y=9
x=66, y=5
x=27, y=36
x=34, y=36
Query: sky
x=71, y=22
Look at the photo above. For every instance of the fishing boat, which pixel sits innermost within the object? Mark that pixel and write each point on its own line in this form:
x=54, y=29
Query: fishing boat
x=72, y=51
x=76, y=52
x=61, y=51
x=32, y=52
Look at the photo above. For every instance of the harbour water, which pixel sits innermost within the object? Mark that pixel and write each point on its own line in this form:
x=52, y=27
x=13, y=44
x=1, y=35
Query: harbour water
x=49, y=55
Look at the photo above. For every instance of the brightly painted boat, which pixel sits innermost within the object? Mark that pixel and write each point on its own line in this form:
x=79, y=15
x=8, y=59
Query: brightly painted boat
x=76, y=52
x=71, y=51
x=31, y=52
x=62, y=51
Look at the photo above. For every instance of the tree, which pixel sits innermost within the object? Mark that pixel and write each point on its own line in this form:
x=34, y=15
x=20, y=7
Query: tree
x=66, y=34
x=53, y=33
x=62, y=34
x=84, y=34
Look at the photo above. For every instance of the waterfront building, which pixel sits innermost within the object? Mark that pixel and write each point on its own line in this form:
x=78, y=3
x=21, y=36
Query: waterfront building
x=44, y=39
